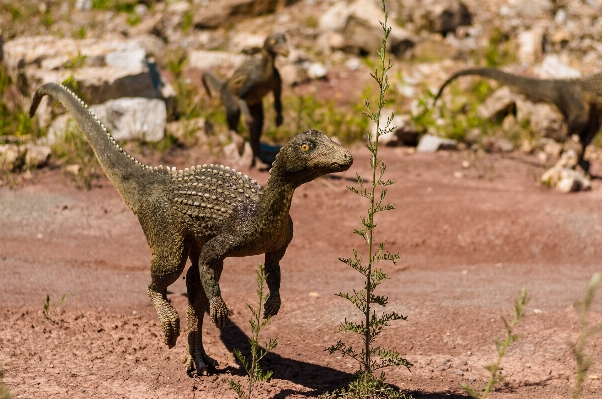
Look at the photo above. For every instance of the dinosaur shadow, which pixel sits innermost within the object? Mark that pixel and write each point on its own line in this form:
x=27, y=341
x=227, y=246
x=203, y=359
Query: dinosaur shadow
x=318, y=378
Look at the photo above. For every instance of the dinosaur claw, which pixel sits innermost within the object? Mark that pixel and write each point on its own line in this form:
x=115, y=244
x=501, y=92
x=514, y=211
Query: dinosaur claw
x=218, y=311
x=271, y=306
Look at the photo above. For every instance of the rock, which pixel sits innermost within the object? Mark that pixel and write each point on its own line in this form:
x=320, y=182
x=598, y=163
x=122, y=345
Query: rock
x=497, y=144
x=37, y=155
x=359, y=27
x=530, y=45
x=497, y=105
x=552, y=68
x=566, y=175
x=9, y=154
x=210, y=60
x=126, y=118
x=225, y=12
x=232, y=157
x=132, y=57
x=72, y=169
x=550, y=147
x=545, y=119
x=534, y=8
x=83, y=5
x=430, y=143
x=316, y=71
x=442, y=16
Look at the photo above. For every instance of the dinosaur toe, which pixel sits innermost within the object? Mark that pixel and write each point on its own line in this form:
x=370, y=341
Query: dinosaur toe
x=218, y=311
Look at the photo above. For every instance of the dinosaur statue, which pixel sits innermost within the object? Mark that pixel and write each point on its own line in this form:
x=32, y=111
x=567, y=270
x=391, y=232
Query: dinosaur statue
x=248, y=85
x=579, y=100
x=205, y=213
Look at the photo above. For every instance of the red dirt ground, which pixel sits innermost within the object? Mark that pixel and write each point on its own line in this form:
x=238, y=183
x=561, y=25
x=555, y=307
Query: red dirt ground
x=468, y=245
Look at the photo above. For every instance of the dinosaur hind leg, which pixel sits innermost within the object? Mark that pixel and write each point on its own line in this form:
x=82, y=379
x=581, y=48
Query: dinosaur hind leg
x=255, y=128
x=166, y=267
x=197, y=359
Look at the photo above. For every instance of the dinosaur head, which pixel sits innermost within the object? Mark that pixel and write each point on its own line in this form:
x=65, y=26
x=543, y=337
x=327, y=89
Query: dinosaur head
x=310, y=155
x=276, y=44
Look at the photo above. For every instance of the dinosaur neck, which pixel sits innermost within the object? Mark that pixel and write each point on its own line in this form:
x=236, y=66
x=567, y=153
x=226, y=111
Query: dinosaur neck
x=278, y=195
x=125, y=172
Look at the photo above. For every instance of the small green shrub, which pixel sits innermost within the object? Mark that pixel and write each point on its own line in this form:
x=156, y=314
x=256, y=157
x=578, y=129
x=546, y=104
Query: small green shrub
x=49, y=310
x=4, y=392
x=372, y=357
x=584, y=362
x=252, y=366
x=494, y=369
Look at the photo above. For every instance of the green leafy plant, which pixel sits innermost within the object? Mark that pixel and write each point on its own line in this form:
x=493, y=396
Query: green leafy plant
x=585, y=331
x=252, y=366
x=4, y=392
x=49, y=310
x=495, y=377
x=372, y=357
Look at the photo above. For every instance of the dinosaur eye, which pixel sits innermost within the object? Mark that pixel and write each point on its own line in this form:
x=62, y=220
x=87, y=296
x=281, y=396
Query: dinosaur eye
x=273, y=41
x=305, y=147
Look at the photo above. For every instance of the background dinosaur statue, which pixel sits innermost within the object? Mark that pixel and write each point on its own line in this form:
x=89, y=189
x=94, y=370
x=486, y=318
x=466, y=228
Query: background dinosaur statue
x=579, y=100
x=205, y=213
x=248, y=85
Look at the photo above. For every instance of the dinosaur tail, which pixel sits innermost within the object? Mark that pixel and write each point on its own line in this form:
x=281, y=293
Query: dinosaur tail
x=212, y=83
x=529, y=86
x=121, y=168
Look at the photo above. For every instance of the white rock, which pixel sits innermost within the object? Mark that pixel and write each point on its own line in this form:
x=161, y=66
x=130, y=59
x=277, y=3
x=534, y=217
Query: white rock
x=83, y=5
x=37, y=155
x=127, y=58
x=9, y=153
x=353, y=64
x=316, y=71
x=430, y=143
x=202, y=59
x=126, y=118
x=233, y=158
x=552, y=68
x=529, y=45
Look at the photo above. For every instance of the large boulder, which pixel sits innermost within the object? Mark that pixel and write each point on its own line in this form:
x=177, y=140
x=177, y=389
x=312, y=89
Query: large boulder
x=498, y=104
x=441, y=16
x=359, y=27
x=545, y=119
x=100, y=70
x=219, y=13
x=126, y=118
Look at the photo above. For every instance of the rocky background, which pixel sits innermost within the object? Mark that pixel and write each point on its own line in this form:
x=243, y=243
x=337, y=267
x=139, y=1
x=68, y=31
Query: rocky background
x=138, y=64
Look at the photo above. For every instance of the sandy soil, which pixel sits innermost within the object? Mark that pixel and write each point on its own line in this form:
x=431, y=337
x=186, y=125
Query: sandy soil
x=468, y=245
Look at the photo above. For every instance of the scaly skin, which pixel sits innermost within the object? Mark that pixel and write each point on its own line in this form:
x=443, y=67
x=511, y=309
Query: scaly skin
x=205, y=213
x=247, y=86
x=579, y=100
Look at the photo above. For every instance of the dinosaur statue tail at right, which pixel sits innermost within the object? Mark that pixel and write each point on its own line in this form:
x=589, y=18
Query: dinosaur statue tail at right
x=536, y=88
x=212, y=83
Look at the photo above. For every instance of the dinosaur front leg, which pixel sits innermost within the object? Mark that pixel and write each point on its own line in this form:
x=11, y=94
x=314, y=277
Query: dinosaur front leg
x=272, y=269
x=197, y=358
x=210, y=267
x=166, y=266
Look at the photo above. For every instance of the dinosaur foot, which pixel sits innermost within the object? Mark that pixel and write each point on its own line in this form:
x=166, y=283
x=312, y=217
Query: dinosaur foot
x=218, y=311
x=201, y=363
x=271, y=306
x=168, y=316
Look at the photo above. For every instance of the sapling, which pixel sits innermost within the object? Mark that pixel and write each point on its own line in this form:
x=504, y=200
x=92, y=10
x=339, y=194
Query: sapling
x=495, y=376
x=4, y=392
x=251, y=366
x=49, y=311
x=585, y=331
x=372, y=357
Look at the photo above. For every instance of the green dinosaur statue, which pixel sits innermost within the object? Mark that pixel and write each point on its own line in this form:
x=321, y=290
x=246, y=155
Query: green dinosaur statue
x=205, y=213
x=248, y=85
x=579, y=100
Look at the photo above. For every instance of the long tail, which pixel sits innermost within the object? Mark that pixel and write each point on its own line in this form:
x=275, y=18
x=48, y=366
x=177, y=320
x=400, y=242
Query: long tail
x=536, y=88
x=121, y=168
x=212, y=83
